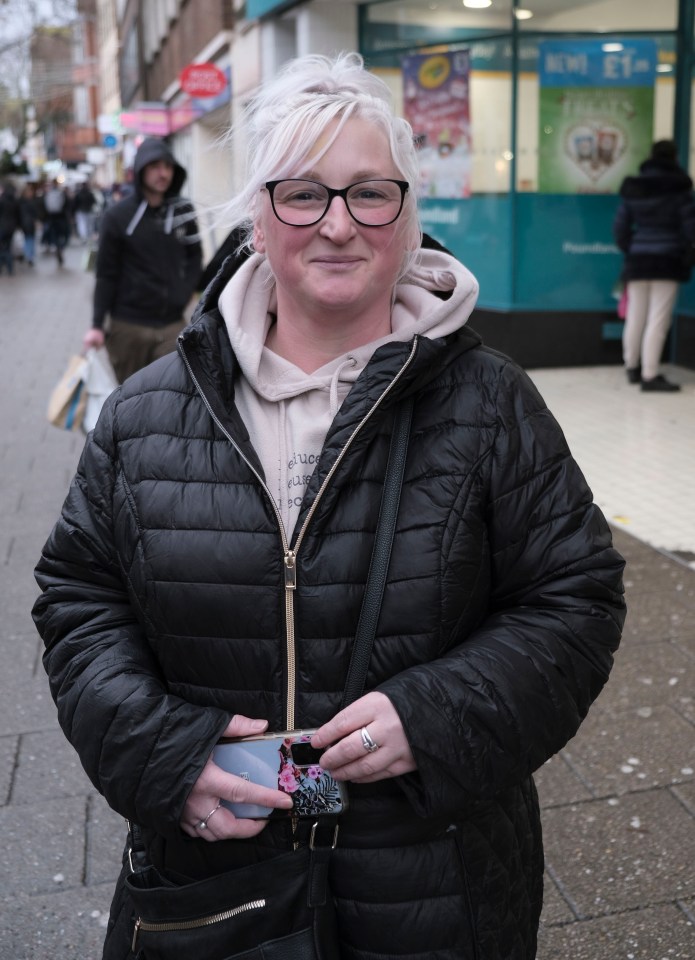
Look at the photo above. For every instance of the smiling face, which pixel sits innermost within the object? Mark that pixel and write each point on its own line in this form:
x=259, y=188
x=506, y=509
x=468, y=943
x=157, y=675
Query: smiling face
x=338, y=269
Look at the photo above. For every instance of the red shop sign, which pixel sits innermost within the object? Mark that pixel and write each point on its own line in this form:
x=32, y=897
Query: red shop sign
x=202, y=80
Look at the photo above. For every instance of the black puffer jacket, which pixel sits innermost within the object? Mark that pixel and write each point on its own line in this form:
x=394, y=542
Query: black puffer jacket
x=655, y=223
x=163, y=612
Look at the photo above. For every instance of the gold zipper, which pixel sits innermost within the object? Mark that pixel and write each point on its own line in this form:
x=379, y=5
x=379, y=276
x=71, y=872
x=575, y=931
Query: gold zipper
x=290, y=556
x=149, y=926
x=290, y=586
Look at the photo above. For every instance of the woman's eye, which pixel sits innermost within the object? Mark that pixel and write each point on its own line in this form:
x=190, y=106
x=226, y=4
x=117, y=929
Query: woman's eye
x=369, y=194
x=301, y=196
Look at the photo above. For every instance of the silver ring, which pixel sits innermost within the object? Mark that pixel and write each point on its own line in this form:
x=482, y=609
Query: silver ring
x=203, y=824
x=369, y=745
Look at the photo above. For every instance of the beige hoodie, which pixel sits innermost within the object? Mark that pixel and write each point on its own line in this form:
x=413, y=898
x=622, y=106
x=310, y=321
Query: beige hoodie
x=287, y=411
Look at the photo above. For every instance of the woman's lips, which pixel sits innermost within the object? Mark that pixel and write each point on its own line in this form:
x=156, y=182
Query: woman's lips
x=337, y=263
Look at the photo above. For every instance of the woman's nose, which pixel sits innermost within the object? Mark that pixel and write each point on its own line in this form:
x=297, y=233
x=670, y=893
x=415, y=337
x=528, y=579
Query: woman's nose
x=337, y=221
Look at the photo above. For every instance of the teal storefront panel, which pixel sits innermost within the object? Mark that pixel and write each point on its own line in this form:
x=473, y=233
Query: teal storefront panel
x=478, y=232
x=565, y=255
x=259, y=8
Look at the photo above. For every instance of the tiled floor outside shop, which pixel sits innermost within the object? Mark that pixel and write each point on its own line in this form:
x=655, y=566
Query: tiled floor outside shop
x=618, y=802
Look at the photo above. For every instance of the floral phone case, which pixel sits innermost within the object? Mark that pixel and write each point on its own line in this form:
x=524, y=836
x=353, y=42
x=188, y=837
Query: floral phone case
x=283, y=761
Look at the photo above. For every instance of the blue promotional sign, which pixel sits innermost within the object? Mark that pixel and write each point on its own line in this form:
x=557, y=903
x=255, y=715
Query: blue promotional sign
x=110, y=140
x=573, y=63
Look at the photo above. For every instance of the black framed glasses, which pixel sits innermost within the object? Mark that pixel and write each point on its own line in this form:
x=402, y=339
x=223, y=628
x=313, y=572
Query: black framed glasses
x=371, y=203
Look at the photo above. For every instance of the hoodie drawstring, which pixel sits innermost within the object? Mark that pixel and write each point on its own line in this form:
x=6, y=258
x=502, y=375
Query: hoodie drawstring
x=137, y=217
x=169, y=222
x=333, y=394
x=140, y=212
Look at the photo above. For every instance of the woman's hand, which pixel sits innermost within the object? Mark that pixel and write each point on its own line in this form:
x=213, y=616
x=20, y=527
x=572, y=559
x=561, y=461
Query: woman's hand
x=349, y=758
x=214, y=785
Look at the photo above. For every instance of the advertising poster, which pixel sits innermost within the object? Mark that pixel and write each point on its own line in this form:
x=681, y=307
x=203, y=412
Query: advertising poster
x=437, y=106
x=596, y=113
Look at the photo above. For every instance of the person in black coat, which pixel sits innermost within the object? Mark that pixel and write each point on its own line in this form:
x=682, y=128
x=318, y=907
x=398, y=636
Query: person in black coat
x=147, y=265
x=9, y=222
x=206, y=575
x=655, y=228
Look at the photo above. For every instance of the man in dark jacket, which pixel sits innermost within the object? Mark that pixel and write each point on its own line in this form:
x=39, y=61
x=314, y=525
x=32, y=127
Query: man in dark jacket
x=655, y=229
x=84, y=206
x=148, y=263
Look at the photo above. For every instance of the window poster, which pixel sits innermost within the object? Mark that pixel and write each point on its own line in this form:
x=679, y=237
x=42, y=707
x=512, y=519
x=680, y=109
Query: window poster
x=596, y=113
x=437, y=106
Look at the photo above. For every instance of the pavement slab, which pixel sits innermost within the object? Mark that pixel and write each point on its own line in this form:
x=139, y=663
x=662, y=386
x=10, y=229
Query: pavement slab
x=656, y=933
x=614, y=855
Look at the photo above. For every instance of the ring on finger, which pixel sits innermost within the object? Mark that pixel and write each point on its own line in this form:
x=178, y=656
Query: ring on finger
x=203, y=824
x=369, y=744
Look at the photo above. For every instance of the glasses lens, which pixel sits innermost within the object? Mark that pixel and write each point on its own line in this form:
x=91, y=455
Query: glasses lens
x=375, y=202
x=299, y=202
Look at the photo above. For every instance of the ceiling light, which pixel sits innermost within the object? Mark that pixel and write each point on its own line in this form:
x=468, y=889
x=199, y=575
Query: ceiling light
x=612, y=47
x=477, y=4
x=522, y=14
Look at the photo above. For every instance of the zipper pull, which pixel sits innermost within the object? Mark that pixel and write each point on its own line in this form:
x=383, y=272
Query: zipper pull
x=290, y=570
x=136, y=931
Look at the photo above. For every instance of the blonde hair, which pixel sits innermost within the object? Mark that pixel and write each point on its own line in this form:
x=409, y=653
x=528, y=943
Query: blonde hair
x=287, y=116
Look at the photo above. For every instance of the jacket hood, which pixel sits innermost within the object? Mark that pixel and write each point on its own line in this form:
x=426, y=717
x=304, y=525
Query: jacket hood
x=656, y=178
x=153, y=149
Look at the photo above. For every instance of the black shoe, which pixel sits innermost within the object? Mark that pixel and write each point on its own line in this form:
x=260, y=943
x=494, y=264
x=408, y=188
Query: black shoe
x=634, y=374
x=661, y=384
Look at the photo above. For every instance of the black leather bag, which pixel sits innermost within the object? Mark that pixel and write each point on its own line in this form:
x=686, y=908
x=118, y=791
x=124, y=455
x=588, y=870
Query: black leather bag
x=283, y=900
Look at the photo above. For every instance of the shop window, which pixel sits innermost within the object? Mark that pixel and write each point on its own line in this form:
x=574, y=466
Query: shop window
x=589, y=109
x=597, y=16
x=533, y=221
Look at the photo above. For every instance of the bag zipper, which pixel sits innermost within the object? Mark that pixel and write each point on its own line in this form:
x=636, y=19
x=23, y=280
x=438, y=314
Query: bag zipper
x=149, y=926
x=290, y=556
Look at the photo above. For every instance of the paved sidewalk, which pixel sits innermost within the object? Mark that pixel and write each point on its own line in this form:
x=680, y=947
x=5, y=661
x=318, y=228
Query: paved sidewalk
x=618, y=803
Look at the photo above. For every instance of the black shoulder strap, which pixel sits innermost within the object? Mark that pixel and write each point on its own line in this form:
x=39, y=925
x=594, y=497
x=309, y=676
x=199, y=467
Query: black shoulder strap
x=381, y=554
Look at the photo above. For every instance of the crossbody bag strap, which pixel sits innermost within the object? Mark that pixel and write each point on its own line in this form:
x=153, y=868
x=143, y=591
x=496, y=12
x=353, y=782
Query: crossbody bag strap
x=381, y=555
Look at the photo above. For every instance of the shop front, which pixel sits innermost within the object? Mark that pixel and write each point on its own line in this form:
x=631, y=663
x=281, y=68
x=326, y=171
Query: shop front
x=528, y=116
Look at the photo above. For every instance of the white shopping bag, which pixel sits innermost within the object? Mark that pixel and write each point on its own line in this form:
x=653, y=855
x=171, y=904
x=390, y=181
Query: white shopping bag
x=100, y=381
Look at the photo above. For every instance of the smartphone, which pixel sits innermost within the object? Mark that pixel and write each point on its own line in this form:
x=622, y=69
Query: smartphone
x=283, y=761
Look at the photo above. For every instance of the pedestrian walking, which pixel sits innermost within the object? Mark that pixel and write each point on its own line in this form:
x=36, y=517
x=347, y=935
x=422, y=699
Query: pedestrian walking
x=148, y=264
x=9, y=223
x=28, y=218
x=84, y=206
x=655, y=229
x=208, y=573
x=57, y=219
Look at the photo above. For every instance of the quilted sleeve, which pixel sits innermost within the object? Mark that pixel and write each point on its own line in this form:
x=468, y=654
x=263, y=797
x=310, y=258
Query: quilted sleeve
x=141, y=747
x=511, y=694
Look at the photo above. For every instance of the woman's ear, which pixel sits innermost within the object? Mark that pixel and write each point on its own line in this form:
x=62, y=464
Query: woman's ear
x=258, y=238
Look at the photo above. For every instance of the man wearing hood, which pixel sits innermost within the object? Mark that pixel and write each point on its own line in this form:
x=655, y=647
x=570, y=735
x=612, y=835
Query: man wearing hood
x=148, y=263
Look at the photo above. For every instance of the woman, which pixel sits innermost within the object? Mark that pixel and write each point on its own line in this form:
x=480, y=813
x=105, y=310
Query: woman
x=260, y=448
x=655, y=229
